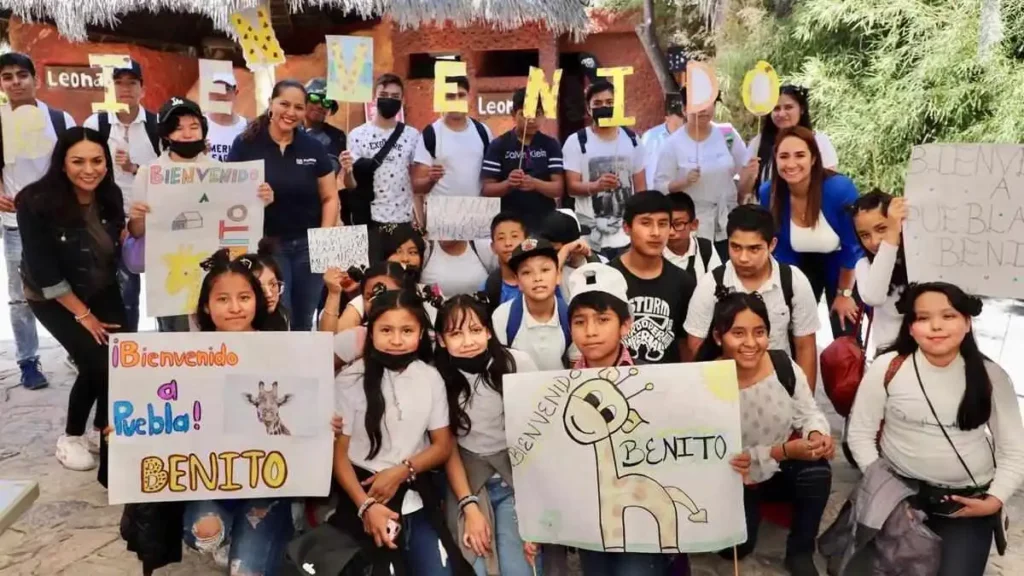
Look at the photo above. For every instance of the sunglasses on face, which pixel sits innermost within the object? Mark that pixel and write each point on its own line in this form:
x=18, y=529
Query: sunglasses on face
x=321, y=100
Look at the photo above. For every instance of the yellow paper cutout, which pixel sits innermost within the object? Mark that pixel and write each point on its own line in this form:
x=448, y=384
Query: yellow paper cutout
x=108, y=63
x=720, y=380
x=701, y=87
x=618, y=79
x=537, y=89
x=207, y=70
x=761, y=89
x=257, y=38
x=443, y=70
x=350, y=68
x=24, y=132
x=184, y=273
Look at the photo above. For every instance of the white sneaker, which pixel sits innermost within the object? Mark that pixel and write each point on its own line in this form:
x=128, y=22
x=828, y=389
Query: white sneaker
x=92, y=439
x=73, y=453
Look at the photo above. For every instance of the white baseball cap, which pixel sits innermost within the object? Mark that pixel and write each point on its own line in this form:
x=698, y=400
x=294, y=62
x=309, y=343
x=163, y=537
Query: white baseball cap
x=598, y=277
x=226, y=78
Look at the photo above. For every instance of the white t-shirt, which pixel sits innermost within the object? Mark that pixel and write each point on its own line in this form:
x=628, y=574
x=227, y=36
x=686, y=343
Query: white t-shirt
x=805, y=309
x=392, y=184
x=873, y=280
x=462, y=274
x=653, y=139
x=133, y=139
x=821, y=239
x=486, y=411
x=461, y=153
x=24, y=171
x=719, y=164
x=683, y=260
x=829, y=158
x=544, y=342
x=603, y=212
x=222, y=137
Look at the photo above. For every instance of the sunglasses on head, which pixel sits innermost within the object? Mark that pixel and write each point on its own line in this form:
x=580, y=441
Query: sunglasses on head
x=322, y=100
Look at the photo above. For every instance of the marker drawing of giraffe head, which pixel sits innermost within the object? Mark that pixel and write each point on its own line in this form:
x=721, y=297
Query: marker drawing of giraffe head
x=595, y=410
x=267, y=404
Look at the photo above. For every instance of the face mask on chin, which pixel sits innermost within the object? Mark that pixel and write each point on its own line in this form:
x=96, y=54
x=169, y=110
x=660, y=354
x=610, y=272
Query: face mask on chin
x=187, y=149
x=393, y=362
x=474, y=364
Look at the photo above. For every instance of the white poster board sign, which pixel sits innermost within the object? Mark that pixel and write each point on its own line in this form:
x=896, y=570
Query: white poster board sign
x=617, y=460
x=195, y=210
x=338, y=247
x=218, y=415
x=965, y=222
x=460, y=217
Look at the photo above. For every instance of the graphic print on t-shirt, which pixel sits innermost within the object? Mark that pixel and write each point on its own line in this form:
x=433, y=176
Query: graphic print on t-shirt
x=392, y=186
x=609, y=206
x=652, y=332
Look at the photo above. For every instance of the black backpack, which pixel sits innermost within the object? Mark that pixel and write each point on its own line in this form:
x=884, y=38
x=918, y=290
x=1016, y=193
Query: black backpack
x=152, y=129
x=581, y=135
x=785, y=279
x=60, y=126
x=704, y=248
x=430, y=137
x=784, y=370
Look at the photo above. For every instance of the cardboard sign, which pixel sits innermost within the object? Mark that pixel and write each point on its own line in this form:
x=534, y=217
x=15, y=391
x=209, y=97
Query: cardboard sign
x=701, y=87
x=587, y=446
x=443, y=70
x=350, y=68
x=208, y=70
x=965, y=217
x=537, y=88
x=460, y=217
x=24, y=132
x=338, y=247
x=257, y=37
x=107, y=63
x=195, y=210
x=220, y=415
x=761, y=89
x=618, y=80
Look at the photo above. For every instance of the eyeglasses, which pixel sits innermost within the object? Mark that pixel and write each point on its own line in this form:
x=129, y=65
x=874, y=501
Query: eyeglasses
x=321, y=100
x=274, y=286
x=680, y=225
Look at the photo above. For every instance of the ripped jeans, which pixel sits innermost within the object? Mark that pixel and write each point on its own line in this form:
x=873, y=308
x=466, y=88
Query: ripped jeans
x=256, y=532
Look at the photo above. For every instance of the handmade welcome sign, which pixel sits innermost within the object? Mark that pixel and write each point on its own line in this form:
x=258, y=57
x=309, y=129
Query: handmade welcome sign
x=618, y=80
x=965, y=221
x=256, y=35
x=443, y=70
x=349, y=68
x=612, y=460
x=539, y=91
x=216, y=415
x=107, y=63
x=195, y=210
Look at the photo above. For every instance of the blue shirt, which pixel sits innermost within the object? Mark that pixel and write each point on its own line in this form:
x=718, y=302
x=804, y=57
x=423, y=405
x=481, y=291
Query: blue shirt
x=294, y=176
x=838, y=192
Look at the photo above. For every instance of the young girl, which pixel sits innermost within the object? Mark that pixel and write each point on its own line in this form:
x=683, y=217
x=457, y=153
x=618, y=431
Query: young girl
x=775, y=402
x=391, y=401
x=268, y=273
x=940, y=397
x=481, y=502
x=381, y=277
x=882, y=272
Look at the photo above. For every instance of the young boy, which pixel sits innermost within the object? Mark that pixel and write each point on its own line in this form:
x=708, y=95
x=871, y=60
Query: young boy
x=685, y=248
x=787, y=294
x=507, y=233
x=659, y=292
x=537, y=321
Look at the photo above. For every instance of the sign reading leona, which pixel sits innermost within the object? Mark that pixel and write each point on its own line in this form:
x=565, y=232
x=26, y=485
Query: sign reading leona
x=74, y=78
x=494, y=104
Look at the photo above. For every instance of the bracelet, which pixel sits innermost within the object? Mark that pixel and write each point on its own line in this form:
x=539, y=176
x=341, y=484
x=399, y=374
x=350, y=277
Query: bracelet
x=329, y=313
x=471, y=499
x=412, y=471
x=784, y=455
x=365, y=506
x=79, y=319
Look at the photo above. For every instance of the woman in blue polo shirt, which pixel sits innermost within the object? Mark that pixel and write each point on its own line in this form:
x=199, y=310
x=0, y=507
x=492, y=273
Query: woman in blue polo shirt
x=815, y=231
x=300, y=172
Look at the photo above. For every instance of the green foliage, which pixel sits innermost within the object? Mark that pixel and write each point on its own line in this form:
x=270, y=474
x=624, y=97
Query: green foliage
x=885, y=75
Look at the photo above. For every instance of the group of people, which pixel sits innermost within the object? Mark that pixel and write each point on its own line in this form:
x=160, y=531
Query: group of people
x=681, y=246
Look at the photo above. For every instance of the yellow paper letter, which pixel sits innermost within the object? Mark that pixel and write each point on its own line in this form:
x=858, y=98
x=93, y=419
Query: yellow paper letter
x=443, y=70
x=761, y=89
x=208, y=70
x=701, y=87
x=537, y=88
x=618, y=79
x=257, y=38
x=108, y=63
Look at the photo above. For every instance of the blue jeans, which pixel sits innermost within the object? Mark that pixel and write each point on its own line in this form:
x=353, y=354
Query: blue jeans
x=511, y=560
x=256, y=530
x=301, y=286
x=422, y=548
x=624, y=563
x=131, y=285
x=23, y=323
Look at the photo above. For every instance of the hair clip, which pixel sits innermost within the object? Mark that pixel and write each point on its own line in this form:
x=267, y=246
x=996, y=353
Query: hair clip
x=244, y=261
x=388, y=228
x=722, y=292
x=481, y=297
x=757, y=296
x=430, y=295
x=377, y=289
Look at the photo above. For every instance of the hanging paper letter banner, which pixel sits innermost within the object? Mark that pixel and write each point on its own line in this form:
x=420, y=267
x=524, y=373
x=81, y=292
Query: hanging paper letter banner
x=107, y=63
x=219, y=415
x=195, y=210
x=208, y=70
x=256, y=36
x=350, y=68
x=443, y=70
x=612, y=460
x=965, y=217
x=539, y=91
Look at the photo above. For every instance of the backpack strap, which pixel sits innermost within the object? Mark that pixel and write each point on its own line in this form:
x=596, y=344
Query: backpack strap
x=704, y=248
x=784, y=370
x=381, y=154
x=482, y=132
x=786, y=279
x=431, y=246
x=581, y=136
x=103, y=125
x=894, y=366
x=515, y=318
x=719, y=275
x=430, y=140
x=632, y=136
x=60, y=124
x=472, y=246
x=153, y=131
x=563, y=320
x=493, y=289
x=729, y=134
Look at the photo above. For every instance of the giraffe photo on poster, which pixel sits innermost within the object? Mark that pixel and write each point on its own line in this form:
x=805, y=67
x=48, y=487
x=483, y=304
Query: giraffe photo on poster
x=268, y=405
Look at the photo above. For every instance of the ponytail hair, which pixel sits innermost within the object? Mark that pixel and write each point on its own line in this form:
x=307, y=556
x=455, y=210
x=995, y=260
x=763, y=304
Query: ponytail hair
x=262, y=122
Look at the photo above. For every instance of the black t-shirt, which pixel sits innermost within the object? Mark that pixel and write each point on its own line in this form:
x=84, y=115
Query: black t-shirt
x=541, y=159
x=659, y=310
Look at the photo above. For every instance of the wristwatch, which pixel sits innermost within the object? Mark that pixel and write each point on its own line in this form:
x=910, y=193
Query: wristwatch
x=847, y=293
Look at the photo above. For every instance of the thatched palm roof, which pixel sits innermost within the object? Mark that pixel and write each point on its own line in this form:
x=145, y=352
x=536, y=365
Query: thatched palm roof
x=72, y=16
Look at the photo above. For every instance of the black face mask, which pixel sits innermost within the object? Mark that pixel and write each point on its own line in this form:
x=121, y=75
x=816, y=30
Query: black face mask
x=393, y=362
x=602, y=112
x=388, y=107
x=187, y=149
x=474, y=365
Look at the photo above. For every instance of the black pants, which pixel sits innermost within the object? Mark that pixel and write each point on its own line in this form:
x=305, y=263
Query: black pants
x=814, y=267
x=966, y=543
x=804, y=484
x=90, y=386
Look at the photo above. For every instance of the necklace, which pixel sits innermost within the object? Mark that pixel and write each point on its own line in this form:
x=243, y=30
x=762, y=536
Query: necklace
x=394, y=396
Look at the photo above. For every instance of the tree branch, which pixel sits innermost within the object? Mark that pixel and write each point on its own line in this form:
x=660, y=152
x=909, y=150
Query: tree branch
x=648, y=37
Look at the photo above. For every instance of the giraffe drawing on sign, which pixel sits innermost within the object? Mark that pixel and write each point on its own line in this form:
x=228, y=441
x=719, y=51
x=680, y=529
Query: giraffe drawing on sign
x=596, y=409
x=267, y=403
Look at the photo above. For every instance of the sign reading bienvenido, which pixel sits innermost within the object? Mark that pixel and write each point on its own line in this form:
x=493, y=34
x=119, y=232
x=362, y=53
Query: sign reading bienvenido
x=494, y=104
x=74, y=78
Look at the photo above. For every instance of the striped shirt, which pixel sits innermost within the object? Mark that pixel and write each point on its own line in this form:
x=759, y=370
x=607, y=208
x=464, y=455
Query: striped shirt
x=541, y=159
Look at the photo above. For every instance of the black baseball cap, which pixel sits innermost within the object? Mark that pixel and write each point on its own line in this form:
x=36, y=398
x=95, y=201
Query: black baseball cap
x=177, y=106
x=529, y=248
x=133, y=68
x=562, y=227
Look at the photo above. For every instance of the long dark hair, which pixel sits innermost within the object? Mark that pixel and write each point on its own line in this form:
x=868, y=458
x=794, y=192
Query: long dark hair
x=405, y=278
x=878, y=200
x=263, y=259
x=53, y=196
x=730, y=304
x=453, y=315
x=780, y=188
x=263, y=120
x=769, y=131
x=392, y=236
x=976, y=404
x=218, y=265
x=373, y=371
